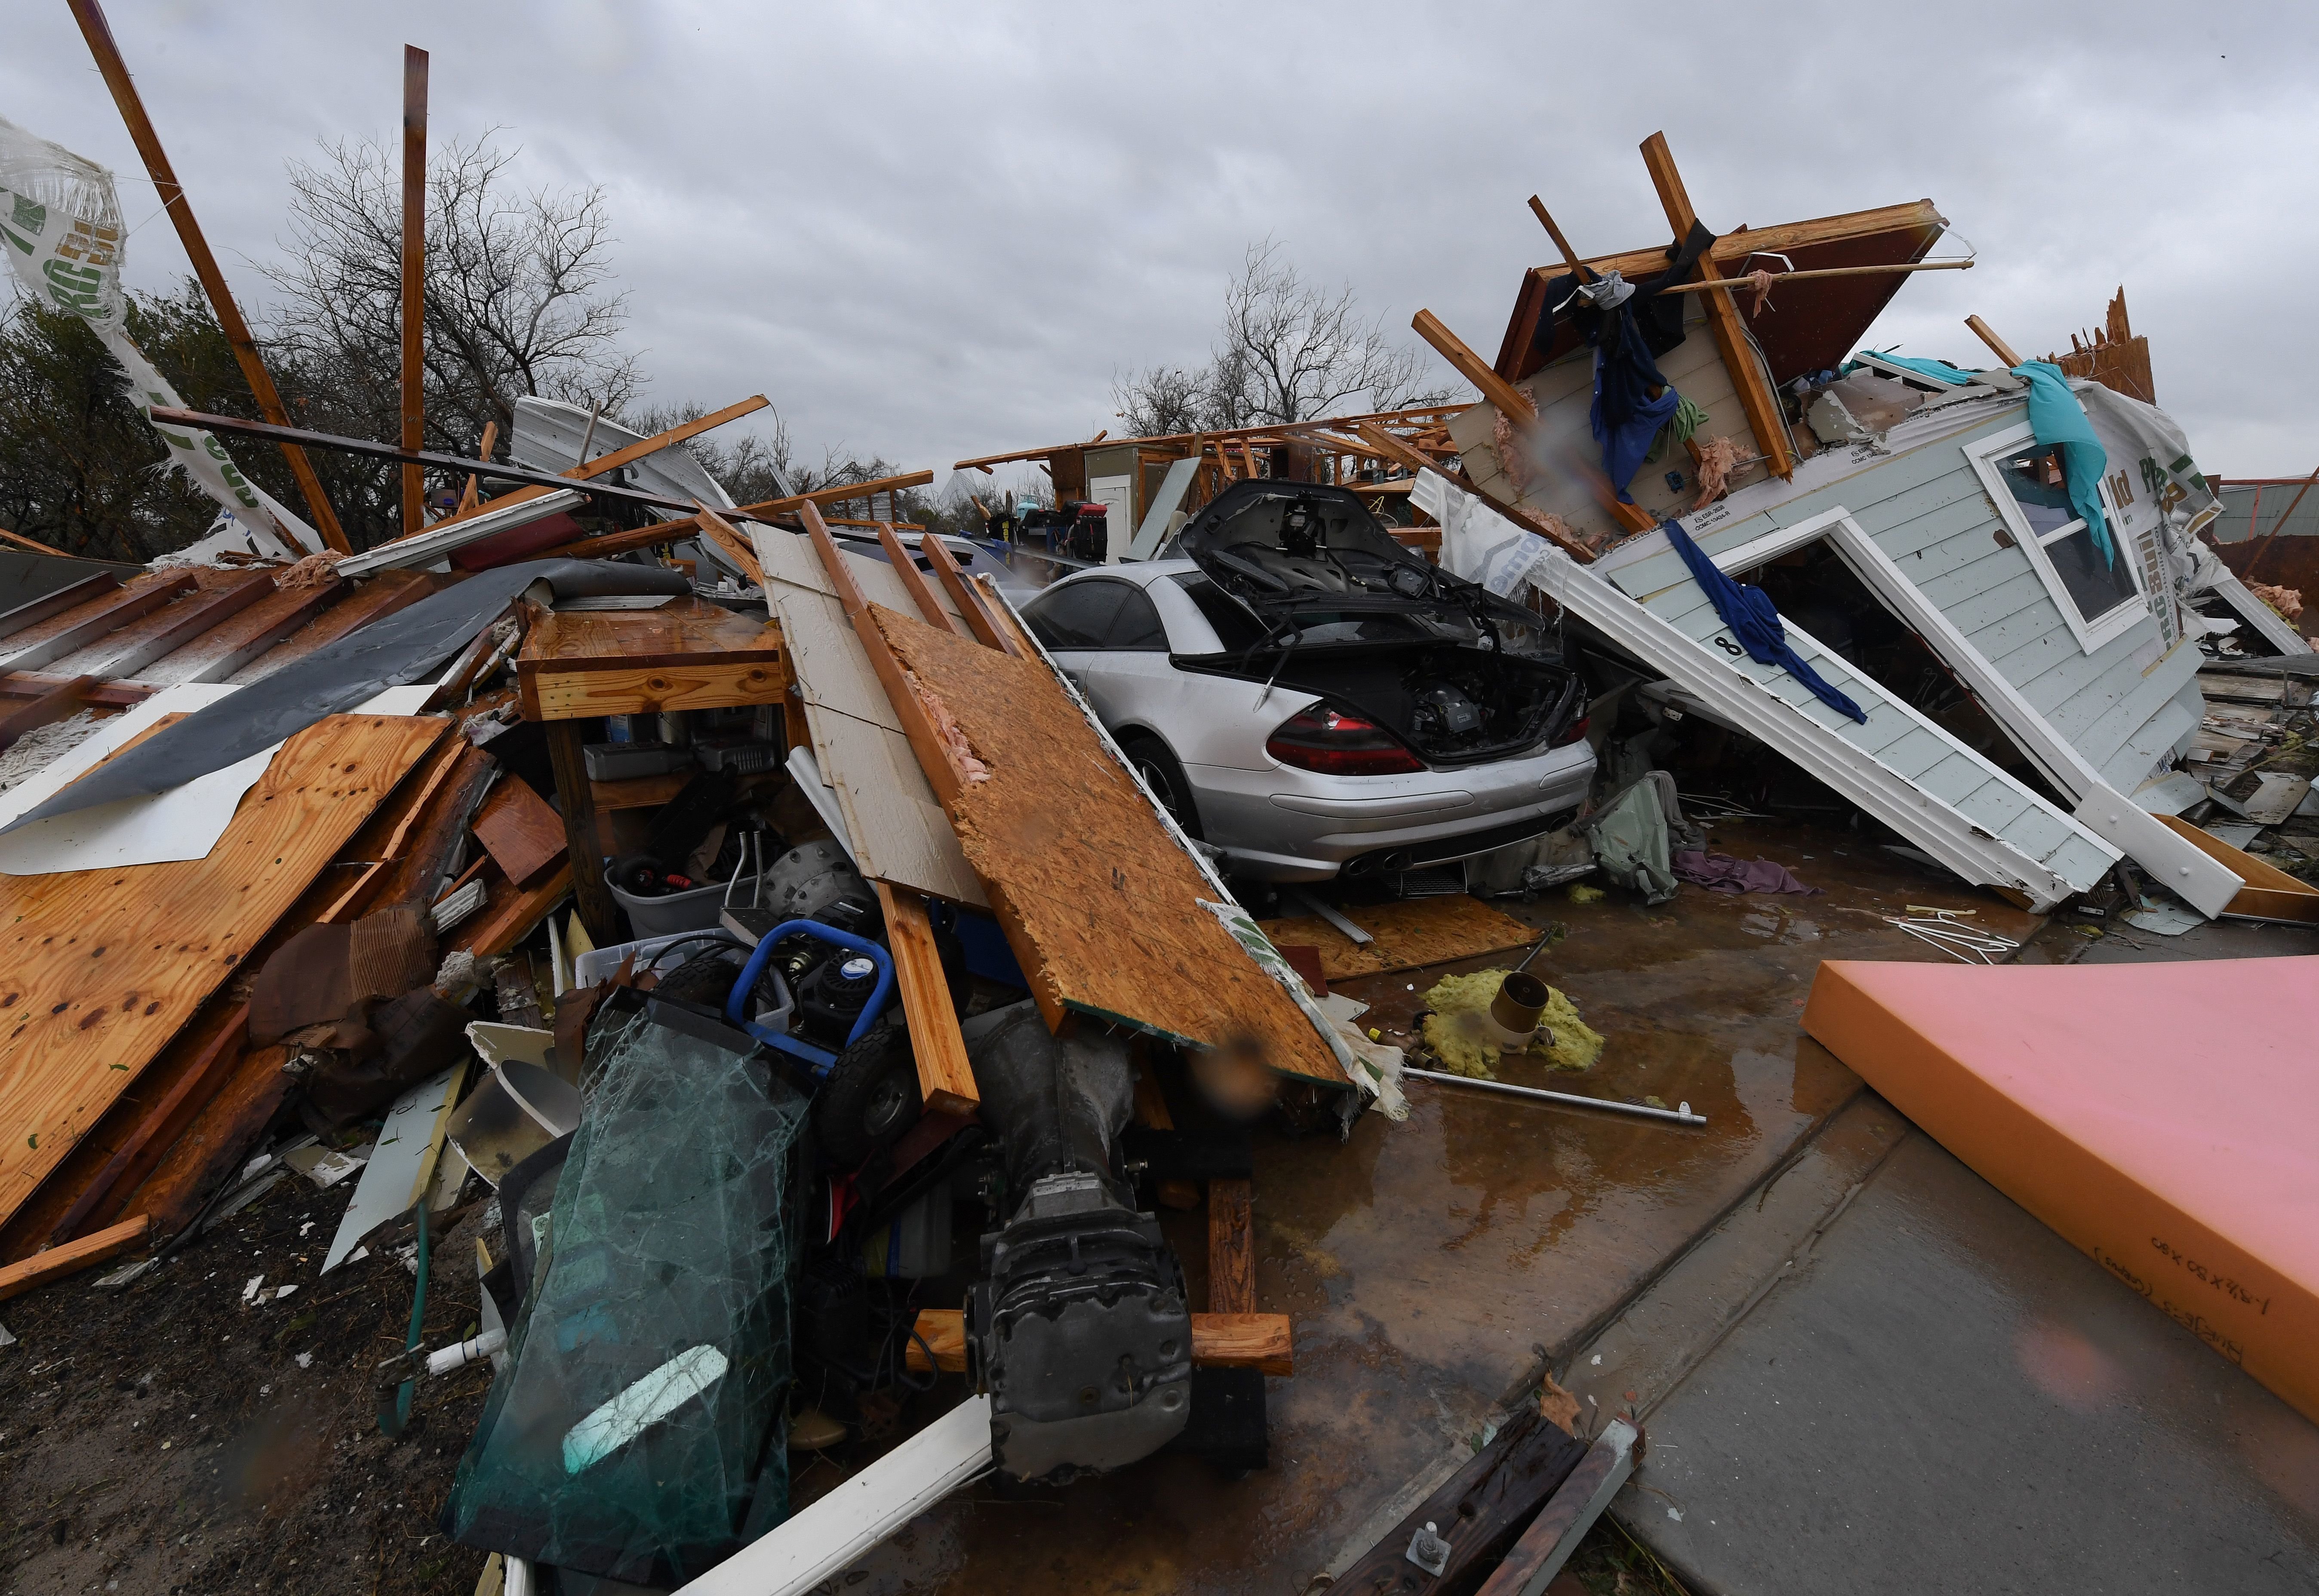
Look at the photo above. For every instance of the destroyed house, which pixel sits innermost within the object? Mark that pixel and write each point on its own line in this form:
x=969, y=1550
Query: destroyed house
x=2023, y=680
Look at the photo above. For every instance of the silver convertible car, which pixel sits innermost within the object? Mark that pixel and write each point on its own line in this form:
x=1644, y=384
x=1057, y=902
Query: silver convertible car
x=1308, y=696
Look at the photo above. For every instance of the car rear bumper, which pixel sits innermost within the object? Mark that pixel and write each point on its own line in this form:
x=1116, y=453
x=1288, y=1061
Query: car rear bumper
x=1285, y=824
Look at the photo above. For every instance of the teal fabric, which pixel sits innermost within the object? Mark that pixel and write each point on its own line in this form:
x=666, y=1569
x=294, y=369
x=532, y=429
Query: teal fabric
x=1940, y=371
x=2056, y=417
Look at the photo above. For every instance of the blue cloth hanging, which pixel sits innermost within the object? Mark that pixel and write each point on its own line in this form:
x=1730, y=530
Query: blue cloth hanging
x=1625, y=419
x=1754, y=620
x=2056, y=417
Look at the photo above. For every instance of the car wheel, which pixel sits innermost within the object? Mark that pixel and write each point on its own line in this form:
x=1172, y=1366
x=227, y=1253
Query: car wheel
x=871, y=1098
x=1164, y=776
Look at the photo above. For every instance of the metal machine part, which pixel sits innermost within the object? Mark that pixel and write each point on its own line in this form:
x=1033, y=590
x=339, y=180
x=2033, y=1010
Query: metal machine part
x=1080, y=1329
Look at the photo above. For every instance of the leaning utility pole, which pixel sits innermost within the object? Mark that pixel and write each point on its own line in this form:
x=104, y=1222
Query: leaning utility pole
x=99, y=34
x=414, y=279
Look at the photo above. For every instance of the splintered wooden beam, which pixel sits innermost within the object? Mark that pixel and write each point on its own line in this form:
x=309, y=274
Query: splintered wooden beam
x=60, y=702
x=1765, y=418
x=73, y=1256
x=1231, y=1247
x=1415, y=461
x=1997, y=345
x=98, y=32
x=966, y=596
x=723, y=533
x=914, y=581
x=1569, y=255
x=945, y=1079
x=1475, y=370
x=1261, y=1341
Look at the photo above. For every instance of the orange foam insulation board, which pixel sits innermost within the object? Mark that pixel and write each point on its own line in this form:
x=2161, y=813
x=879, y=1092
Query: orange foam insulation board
x=2160, y=1116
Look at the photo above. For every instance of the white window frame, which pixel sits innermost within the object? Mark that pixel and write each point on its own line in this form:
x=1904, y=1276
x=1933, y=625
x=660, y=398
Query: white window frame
x=2112, y=623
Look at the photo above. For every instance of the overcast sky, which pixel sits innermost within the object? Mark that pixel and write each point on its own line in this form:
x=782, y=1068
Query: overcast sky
x=933, y=231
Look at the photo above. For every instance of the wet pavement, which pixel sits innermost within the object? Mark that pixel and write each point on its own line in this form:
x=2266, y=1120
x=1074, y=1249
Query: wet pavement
x=1946, y=1396
x=1423, y=1262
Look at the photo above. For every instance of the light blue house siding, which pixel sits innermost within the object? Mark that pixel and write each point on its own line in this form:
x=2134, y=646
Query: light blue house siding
x=2126, y=707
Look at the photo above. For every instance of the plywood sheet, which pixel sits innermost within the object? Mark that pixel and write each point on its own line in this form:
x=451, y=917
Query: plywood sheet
x=515, y=825
x=2156, y=1115
x=103, y=968
x=1422, y=931
x=900, y=835
x=1079, y=866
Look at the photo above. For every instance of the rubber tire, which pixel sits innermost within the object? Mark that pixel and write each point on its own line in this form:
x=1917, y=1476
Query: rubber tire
x=871, y=1098
x=1161, y=771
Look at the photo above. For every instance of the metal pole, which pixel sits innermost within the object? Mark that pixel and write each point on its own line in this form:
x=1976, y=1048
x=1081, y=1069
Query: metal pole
x=99, y=34
x=414, y=279
x=1682, y=1116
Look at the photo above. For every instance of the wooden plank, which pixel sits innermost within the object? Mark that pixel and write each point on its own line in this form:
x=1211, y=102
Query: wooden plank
x=104, y=967
x=519, y=829
x=377, y=596
x=945, y=1079
x=914, y=581
x=160, y=1126
x=1479, y=1510
x=204, y=1158
x=2269, y=893
x=187, y=619
x=583, y=864
x=1099, y=902
x=33, y=611
x=1260, y=1341
x=509, y=914
x=1231, y=1247
x=1765, y=418
x=720, y=532
x=1998, y=345
x=87, y=623
x=977, y=613
x=60, y=702
x=58, y=1262
x=225, y=648
x=688, y=654
x=1567, y=1515
x=640, y=793
x=1406, y=935
x=560, y=695
x=1504, y=395
x=413, y=387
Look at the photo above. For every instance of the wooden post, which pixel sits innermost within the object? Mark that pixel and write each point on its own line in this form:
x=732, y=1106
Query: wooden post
x=1569, y=255
x=1998, y=345
x=598, y=912
x=1765, y=418
x=945, y=1079
x=1474, y=368
x=1231, y=1248
x=99, y=34
x=414, y=283
x=978, y=618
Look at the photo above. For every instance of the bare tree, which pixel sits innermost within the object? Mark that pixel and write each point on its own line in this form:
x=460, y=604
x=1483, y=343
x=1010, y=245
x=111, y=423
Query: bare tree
x=1288, y=351
x=518, y=297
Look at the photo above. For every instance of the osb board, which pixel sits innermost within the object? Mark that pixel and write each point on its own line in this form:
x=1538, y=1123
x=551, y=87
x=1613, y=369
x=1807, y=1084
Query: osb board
x=1079, y=866
x=900, y=835
x=102, y=967
x=1419, y=932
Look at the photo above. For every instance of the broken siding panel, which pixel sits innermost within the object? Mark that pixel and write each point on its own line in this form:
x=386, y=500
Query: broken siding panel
x=2106, y=738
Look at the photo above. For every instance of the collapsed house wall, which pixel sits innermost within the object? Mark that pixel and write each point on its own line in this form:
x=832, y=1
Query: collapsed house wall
x=2125, y=706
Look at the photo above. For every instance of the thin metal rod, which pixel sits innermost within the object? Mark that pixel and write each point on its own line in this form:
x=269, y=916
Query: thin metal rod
x=1353, y=933
x=414, y=281
x=95, y=29
x=1748, y=285
x=1682, y=1116
x=456, y=463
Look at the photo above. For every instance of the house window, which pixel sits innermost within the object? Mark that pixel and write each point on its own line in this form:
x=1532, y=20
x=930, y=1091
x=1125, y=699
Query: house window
x=2100, y=597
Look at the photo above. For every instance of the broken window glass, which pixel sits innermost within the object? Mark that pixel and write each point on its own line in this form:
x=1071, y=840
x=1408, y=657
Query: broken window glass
x=637, y=1427
x=2096, y=585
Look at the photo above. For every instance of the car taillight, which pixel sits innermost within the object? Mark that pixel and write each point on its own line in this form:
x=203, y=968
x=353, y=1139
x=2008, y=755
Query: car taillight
x=1336, y=743
x=1574, y=732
